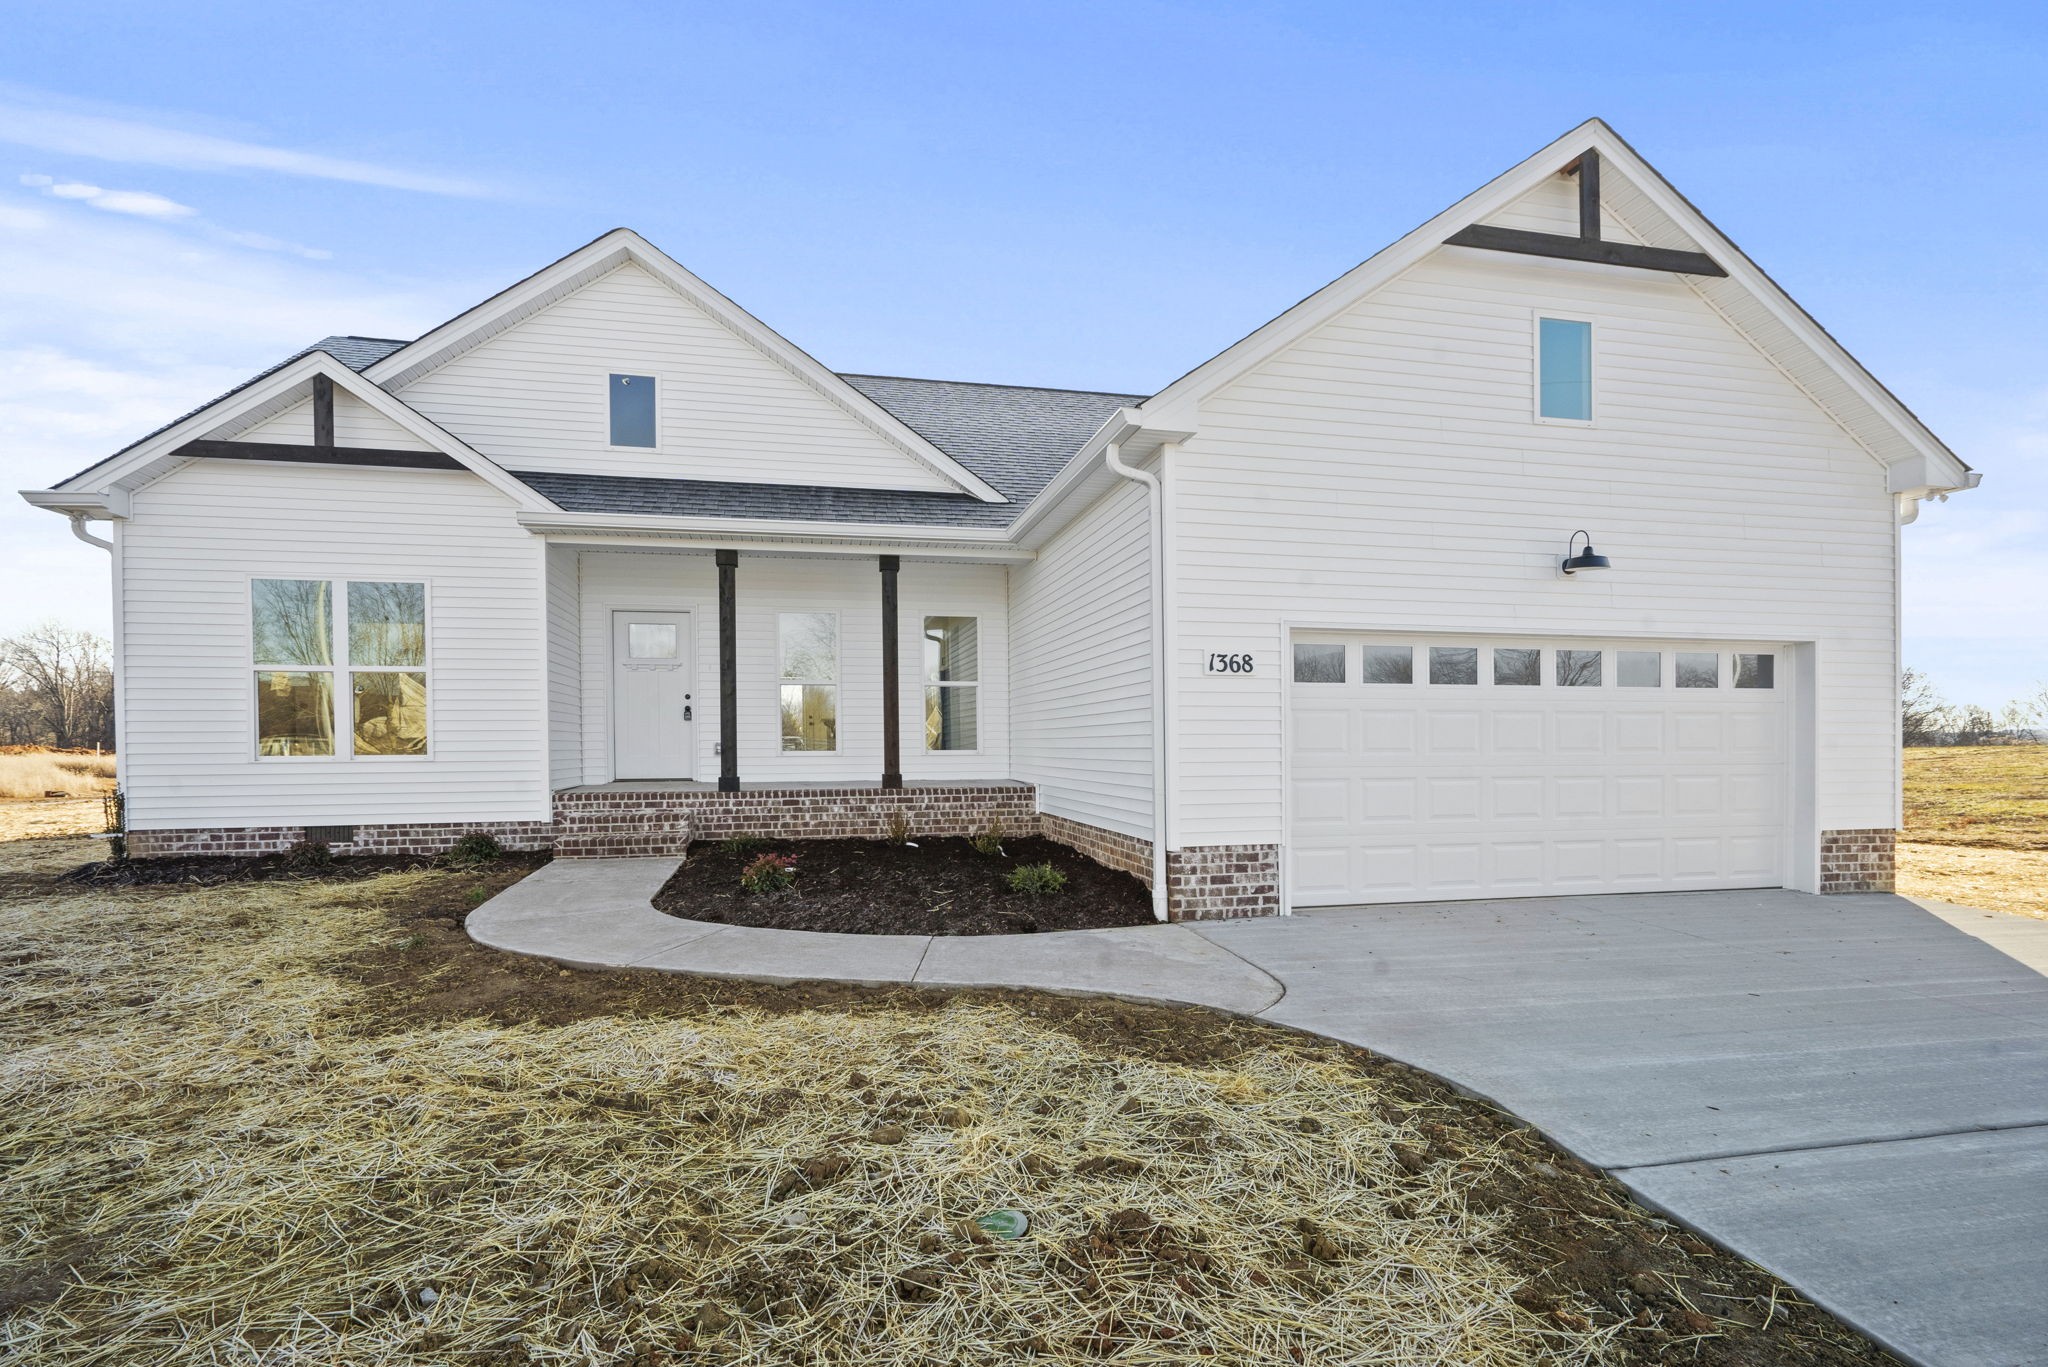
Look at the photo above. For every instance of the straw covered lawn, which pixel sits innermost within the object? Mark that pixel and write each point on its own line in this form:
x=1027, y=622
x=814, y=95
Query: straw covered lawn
x=311, y=1123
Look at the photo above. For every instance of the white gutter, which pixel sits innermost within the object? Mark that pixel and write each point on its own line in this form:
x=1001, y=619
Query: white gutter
x=1155, y=503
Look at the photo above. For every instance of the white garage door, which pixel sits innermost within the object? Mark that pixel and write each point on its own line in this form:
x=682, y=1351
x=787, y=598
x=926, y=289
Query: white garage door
x=1433, y=768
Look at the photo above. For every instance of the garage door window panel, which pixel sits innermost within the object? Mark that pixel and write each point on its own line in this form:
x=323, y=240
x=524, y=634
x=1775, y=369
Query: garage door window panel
x=1387, y=664
x=1755, y=671
x=1318, y=663
x=1454, y=664
x=1516, y=666
x=1639, y=668
x=1698, y=670
x=1578, y=669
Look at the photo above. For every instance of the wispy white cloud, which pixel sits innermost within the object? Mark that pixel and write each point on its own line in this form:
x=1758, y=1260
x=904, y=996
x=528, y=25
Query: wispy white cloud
x=34, y=119
x=111, y=325
x=141, y=203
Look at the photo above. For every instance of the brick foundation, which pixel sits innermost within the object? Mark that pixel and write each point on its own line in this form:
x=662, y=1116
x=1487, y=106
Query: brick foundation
x=1858, y=861
x=407, y=838
x=1111, y=849
x=1218, y=882
x=934, y=809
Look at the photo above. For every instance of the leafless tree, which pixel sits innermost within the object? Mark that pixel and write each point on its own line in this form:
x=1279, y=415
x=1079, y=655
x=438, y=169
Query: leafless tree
x=1924, y=715
x=56, y=688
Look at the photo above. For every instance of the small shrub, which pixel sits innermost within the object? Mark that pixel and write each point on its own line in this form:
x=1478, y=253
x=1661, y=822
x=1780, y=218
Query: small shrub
x=476, y=897
x=740, y=846
x=1038, y=880
x=473, y=849
x=769, y=873
x=899, y=827
x=309, y=856
x=989, y=841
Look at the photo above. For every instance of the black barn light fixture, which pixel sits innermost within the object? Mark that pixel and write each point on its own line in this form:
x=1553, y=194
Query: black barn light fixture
x=1587, y=559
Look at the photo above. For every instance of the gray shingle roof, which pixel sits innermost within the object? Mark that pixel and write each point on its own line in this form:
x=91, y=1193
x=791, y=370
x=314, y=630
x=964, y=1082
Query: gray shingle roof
x=801, y=502
x=1015, y=437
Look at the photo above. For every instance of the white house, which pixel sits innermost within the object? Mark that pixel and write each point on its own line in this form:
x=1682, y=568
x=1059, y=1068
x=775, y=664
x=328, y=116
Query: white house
x=605, y=563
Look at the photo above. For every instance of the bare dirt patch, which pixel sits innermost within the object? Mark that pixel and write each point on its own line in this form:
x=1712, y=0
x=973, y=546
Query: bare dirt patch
x=46, y=818
x=313, y=1120
x=932, y=887
x=2012, y=881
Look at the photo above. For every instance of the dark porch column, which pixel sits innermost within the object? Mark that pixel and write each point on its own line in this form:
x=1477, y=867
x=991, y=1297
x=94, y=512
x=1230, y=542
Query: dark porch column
x=728, y=672
x=892, y=700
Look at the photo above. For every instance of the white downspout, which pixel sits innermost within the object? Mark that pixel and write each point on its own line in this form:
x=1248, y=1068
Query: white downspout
x=78, y=530
x=1155, y=504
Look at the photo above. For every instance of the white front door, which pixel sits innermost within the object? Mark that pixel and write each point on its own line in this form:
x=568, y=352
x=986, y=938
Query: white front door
x=1424, y=769
x=653, y=727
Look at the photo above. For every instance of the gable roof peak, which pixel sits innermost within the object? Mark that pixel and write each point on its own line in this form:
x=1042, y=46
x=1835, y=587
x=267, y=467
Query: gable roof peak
x=620, y=246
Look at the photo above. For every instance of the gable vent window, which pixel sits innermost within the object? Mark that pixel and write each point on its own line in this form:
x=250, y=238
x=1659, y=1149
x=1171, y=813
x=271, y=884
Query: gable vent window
x=1564, y=369
x=632, y=398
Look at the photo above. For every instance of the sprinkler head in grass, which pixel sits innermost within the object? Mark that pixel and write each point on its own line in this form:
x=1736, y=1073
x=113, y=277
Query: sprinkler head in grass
x=1004, y=1224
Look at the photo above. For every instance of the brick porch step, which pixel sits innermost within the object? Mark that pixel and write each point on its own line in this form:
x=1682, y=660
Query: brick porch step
x=618, y=826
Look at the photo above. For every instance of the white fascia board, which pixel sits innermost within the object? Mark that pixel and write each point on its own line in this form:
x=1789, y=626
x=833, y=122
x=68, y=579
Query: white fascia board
x=712, y=528
x=995, y=553
x=158, y=455
x=100, y=505
x=1057, y=504
x=1176, y=405
x=622, y=245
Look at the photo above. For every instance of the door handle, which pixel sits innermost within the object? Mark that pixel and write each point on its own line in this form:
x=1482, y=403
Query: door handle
x=686, y=713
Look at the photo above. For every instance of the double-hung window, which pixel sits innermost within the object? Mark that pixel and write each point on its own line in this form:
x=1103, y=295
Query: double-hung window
x=375, y=699
x=809, y=647
x=952, y=683
x=1564, y=370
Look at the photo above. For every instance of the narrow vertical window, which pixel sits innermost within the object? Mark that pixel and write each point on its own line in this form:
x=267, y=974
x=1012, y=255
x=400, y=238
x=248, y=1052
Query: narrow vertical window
x=1564, y=369
x=387, y=656
x=632, y=412
x=292, y=645
x=809, y=643
x=952, y=683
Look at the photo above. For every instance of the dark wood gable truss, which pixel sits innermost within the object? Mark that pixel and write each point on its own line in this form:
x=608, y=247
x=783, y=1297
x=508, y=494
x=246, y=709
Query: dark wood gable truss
x=323, y=451
x=1588, y=245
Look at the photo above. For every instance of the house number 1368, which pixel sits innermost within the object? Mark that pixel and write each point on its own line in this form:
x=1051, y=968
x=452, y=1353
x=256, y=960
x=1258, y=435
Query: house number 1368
x=1221, y=662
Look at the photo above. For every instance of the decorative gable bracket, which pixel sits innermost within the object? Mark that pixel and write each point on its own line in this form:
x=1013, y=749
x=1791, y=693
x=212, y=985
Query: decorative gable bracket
x=1588, y=245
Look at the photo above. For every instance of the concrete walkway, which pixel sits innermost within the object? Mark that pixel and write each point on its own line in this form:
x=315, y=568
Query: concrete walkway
x=1851, y=1091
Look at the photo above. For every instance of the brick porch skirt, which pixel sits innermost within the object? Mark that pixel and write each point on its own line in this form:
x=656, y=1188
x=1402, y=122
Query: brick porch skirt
x=1205, y=882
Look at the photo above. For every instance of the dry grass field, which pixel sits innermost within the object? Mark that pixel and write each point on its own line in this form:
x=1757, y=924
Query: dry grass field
x=311, y=1122
x=36, y=773
x=1977, y=827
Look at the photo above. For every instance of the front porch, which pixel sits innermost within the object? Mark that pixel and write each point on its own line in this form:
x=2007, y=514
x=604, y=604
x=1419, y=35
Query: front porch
x=691, y=668
x=631, y=818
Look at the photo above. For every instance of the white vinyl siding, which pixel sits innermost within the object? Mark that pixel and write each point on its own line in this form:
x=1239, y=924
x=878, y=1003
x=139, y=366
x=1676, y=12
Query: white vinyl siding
x=1383, y=474
x=534, y=398
x=850, y=587
x=355, y=424
x=195, y=540
x=1080, y=618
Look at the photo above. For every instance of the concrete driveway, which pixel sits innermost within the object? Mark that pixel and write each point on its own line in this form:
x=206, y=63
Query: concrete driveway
x=1851, y=1091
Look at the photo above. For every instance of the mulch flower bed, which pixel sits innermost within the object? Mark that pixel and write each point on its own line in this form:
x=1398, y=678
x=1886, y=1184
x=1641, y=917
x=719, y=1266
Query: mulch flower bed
x=210, y=870
x=930, y=887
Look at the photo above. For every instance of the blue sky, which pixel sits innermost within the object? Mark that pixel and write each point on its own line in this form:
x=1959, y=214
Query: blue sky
x=1095, y=195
